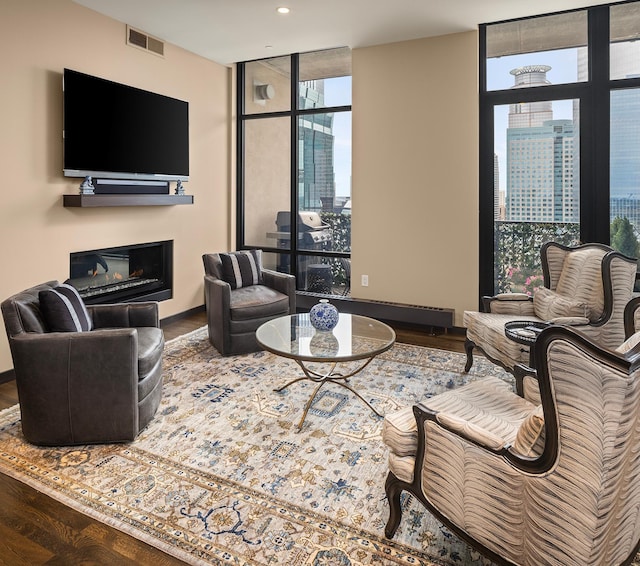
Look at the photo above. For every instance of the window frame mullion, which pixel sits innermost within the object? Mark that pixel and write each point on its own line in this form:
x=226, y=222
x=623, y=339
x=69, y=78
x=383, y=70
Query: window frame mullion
x=596, y=178
x=594, y=96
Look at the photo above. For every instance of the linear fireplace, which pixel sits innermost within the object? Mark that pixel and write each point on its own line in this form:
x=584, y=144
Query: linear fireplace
x=139, y=272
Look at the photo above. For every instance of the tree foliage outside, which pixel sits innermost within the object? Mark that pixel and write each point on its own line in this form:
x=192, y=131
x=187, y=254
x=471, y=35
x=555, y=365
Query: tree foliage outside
x=341, y=227
x=623, y=237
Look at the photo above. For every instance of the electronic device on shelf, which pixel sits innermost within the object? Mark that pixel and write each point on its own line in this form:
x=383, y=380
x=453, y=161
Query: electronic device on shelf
x=123, y=136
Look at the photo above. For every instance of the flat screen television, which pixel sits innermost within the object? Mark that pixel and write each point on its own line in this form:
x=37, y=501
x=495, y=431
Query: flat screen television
x=116, y=131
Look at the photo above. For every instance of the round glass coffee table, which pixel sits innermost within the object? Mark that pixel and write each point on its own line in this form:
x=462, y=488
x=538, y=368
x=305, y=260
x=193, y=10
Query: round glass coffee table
x=355, y=338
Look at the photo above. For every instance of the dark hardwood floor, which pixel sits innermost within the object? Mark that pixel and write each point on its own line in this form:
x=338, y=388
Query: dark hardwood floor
x=35, y=529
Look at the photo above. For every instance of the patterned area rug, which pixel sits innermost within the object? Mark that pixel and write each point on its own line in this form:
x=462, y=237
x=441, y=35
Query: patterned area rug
x=221, y=475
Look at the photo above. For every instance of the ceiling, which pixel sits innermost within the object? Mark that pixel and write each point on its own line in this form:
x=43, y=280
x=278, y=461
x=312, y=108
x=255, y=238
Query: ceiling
x=229, y=31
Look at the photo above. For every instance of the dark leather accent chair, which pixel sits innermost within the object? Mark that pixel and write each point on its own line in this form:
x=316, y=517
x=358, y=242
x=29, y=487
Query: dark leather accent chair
x=234, y=315
x=94, y=387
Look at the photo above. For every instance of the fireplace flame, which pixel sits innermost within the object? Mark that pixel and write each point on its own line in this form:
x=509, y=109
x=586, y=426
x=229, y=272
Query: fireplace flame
x=110, y=278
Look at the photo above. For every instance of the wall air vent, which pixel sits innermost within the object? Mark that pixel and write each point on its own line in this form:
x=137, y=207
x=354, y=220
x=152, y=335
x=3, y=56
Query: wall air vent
x=141, y=40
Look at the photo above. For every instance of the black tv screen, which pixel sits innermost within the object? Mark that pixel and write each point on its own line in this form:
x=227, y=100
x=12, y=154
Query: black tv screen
x=116, y=131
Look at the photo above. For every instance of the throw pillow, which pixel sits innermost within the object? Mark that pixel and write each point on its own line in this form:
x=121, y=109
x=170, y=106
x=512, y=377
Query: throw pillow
x=581, y=279
x=241, y=269
x=63, y=309
x=547, y=304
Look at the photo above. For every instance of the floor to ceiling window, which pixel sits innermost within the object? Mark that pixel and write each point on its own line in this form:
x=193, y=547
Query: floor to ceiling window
x=559, y=150
x=624, y=108
x=294, y=166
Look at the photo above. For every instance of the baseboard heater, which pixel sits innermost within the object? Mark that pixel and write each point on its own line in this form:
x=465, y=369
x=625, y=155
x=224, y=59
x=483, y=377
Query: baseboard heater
x=396, y=312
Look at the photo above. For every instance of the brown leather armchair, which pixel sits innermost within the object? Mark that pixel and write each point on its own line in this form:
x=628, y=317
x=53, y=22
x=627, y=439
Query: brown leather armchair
x=234, y=315
x=93, y=387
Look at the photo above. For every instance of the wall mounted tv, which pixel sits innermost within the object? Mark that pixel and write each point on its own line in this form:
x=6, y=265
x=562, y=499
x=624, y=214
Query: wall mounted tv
x=115, y=131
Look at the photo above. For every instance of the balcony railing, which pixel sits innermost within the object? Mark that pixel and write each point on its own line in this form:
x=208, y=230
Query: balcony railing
x=517, y=245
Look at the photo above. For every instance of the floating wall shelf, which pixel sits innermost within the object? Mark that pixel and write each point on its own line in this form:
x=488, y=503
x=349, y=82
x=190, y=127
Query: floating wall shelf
x=88, y=201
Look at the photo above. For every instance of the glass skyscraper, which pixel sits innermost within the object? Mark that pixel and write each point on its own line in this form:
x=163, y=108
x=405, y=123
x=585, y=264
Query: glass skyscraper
x=316, y=182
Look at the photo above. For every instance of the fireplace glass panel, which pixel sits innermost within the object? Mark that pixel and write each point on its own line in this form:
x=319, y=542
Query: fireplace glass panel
x=125, y=273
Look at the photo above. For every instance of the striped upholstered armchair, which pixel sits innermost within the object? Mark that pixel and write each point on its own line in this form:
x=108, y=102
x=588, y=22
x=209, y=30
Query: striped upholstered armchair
x=555, y=483
x=586, y=287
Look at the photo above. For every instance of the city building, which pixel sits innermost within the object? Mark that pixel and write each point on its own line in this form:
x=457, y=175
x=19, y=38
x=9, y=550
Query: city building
x=540, y=158
x=316, y=182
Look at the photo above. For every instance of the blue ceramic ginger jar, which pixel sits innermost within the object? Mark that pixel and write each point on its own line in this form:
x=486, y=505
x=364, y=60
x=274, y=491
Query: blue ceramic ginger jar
x=323, y=316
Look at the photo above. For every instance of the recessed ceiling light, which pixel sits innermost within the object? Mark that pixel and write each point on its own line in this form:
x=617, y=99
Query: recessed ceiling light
x=283, y=10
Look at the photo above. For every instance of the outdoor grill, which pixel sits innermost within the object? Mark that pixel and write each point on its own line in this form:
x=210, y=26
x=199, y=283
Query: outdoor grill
x=313, y=235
